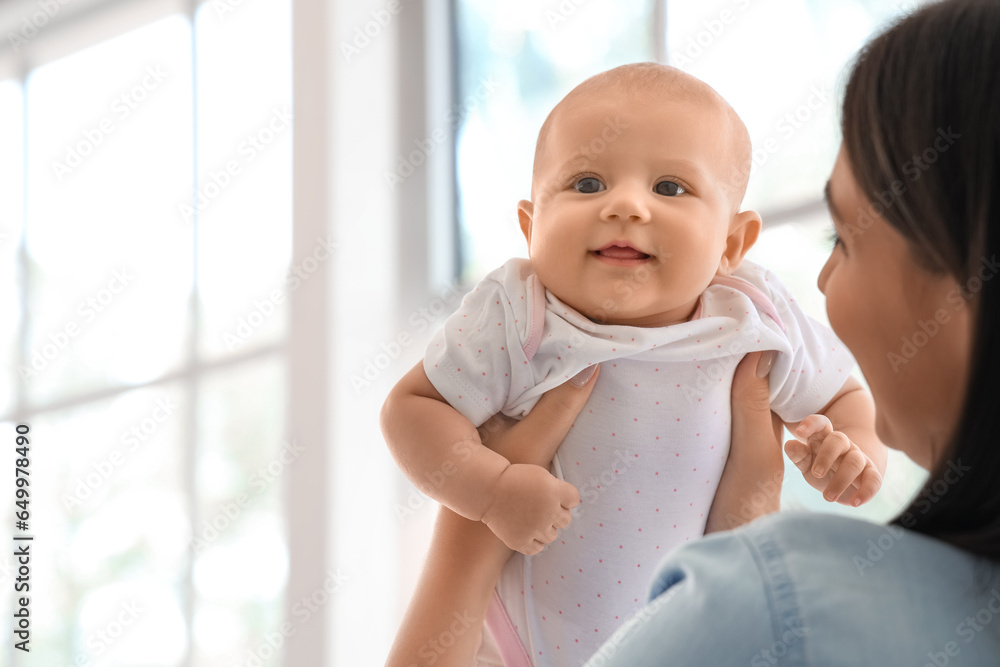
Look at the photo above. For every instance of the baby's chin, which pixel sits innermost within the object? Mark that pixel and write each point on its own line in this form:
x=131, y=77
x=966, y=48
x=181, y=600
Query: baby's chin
x=659, y=316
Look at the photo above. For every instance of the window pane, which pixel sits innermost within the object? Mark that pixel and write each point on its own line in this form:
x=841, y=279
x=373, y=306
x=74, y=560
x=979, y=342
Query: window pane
x=781, y=65
x=109, y=149
x=244, y=198
x=240, y=552
x=11, y=218
x=109, y=505
x=515, y=61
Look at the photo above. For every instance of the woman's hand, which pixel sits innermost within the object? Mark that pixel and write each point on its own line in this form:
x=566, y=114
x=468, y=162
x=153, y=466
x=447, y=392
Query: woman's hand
x=751, y=481
x=536, y=438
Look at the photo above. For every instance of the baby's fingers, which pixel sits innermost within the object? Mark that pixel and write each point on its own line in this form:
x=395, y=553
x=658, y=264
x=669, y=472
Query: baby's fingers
x=535, y=547
x=813, y=429
x=569, y=497
x=800, y=454
x=834, y=446
x=849, y=468
x=868, y=485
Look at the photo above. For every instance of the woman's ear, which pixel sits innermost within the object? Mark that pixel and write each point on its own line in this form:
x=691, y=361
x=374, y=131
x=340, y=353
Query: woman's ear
x=743, y=233
x=525, y=213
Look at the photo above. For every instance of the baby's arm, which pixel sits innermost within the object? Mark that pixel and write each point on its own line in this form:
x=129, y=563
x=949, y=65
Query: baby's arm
x=440, y=451
x=465, y=558
x=840, y=454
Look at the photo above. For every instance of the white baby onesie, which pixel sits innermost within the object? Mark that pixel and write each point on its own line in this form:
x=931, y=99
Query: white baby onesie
x=646, y=453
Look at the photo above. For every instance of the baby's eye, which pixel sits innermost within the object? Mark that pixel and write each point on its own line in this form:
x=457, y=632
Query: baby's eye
x=668, y=189
x=589, y=185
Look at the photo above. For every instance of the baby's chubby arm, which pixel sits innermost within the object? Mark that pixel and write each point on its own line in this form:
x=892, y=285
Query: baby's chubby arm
x=440, y=451
x=838, y=451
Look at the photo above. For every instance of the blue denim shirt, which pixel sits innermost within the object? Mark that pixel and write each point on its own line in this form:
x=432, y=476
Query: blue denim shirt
x=814, y=589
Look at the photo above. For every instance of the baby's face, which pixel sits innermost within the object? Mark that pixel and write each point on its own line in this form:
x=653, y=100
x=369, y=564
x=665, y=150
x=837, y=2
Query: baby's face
x=631, y=208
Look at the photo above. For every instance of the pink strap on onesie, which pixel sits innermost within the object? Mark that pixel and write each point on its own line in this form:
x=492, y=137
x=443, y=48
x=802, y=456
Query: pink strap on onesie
x=756, y=296
x=508, y=643
x=536, y=316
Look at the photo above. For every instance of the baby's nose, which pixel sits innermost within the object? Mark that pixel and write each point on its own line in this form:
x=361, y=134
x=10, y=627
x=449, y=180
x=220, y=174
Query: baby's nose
x=626, y=205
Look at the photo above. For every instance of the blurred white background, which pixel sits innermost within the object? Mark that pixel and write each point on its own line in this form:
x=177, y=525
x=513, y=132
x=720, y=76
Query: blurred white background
x=227, y=227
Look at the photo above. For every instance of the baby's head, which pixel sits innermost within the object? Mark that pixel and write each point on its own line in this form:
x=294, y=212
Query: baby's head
x=638, y=178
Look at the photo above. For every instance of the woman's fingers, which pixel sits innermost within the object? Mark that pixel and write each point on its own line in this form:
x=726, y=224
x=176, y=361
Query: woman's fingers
x=750, y=393
x=756, y=431
x=550, y=420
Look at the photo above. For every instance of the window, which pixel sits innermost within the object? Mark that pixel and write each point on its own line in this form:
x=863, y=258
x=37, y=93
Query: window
x=145, y=248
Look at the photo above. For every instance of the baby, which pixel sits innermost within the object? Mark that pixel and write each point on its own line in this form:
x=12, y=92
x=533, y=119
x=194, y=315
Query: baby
x=636, y=246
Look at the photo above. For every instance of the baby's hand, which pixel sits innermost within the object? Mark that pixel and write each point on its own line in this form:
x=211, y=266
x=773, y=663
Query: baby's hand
x=529, y=507
x=833, y=464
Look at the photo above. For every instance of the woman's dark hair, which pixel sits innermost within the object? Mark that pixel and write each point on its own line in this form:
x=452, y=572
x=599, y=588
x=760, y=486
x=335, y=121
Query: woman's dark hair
x=922, y=111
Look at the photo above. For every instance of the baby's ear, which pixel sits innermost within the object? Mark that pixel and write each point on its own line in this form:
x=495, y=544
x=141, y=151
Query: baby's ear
x=525, y=214
x=743, y=233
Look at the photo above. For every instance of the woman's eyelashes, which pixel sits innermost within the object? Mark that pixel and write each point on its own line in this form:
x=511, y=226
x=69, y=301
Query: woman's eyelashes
x=591, y=185
x=834, y=239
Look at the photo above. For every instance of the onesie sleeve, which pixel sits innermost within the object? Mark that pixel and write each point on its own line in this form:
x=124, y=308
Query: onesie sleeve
x=803, y=381
x=469, y=359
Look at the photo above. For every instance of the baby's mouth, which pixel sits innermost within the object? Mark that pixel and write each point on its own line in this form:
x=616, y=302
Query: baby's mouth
x=620, y=252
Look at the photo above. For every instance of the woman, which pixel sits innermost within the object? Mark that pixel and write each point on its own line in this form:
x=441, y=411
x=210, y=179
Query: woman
x=915, y=198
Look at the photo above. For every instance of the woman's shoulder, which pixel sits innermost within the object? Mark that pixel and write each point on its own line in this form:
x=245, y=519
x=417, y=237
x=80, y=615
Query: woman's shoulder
x=816, y=551
x=808, y=588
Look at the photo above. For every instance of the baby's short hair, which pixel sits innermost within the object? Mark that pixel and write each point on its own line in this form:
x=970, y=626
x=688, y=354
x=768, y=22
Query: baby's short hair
x=662, y=83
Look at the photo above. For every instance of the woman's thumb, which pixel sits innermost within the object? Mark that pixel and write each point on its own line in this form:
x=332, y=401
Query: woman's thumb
x=750, y=385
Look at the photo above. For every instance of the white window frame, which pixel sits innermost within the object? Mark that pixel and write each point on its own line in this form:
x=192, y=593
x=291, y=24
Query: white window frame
x=77, y=25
